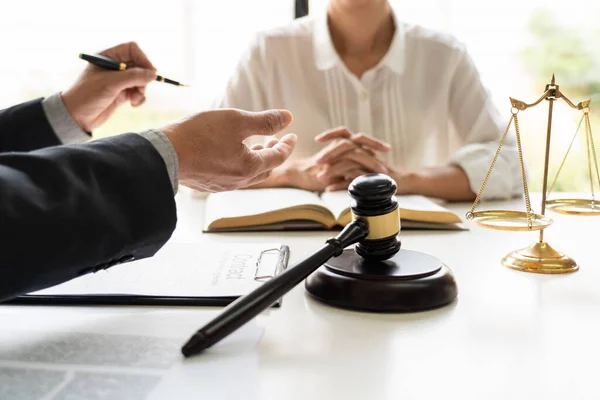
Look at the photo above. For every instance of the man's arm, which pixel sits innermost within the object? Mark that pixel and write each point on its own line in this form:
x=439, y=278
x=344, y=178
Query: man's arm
x=70, y=210
x=25, y=127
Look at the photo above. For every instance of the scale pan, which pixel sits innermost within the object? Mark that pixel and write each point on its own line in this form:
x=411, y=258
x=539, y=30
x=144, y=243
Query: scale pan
x=574, y=206
x=505, y=220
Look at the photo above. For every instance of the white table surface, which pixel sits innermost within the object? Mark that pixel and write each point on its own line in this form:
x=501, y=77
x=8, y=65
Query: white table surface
x=510, y=335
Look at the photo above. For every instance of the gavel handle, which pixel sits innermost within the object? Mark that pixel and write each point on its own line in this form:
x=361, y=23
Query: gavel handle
x=249, y=306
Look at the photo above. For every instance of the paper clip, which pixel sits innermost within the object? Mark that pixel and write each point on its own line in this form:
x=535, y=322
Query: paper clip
x=278, y=268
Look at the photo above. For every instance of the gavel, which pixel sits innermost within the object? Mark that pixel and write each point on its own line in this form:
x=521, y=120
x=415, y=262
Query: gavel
x=375, y=276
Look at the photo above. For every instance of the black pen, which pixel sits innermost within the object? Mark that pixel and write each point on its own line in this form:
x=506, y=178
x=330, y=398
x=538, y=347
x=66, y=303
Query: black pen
x=109, y=63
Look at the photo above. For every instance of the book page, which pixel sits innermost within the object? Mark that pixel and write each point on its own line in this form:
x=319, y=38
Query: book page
x=420, y=208
x=413, y=207
x=419, y=203
x=337, y=202
x=241, y=203
x=181, y=270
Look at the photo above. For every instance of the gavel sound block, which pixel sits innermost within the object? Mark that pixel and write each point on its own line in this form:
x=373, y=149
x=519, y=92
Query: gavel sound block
x=377, y=275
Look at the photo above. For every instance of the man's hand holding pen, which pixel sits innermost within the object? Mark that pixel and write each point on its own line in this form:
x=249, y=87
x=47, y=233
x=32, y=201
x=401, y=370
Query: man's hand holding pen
x=97, y=93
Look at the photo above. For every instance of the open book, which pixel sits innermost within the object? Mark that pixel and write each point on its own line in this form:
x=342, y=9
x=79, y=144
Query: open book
x=291, y=209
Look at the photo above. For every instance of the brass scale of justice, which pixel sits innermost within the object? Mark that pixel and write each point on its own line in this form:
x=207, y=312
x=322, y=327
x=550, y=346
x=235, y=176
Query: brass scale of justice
x=540, y=257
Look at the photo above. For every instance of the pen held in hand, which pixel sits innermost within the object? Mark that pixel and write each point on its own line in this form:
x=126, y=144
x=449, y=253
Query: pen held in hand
x=114, y=65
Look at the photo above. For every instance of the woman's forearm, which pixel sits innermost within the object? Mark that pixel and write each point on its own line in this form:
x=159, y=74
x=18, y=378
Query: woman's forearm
x=280, y=177
x=448, y=183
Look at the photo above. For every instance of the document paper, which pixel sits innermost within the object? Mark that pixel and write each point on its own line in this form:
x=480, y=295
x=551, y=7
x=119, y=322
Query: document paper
x=182, y=270
x=114, y=354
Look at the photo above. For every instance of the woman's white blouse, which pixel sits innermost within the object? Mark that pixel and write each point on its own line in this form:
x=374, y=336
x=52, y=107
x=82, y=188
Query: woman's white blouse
x=425, y=98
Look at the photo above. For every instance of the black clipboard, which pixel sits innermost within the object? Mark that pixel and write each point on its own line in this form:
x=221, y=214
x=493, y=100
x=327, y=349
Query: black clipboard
x=146, y=300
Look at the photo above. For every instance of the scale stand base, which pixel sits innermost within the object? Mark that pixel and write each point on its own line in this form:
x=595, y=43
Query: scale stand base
x=409, y=281
x=540, y=258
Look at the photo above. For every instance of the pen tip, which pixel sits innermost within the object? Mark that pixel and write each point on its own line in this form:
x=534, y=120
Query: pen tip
x=80, y=55
x=184, y=85
x=195, y=345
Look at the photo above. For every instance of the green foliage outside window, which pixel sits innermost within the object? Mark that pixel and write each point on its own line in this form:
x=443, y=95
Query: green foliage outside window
x=571, y=54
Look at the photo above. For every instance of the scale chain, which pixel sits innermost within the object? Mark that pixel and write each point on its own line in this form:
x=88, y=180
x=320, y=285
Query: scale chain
x=487, y=176
x=589, y=161
x=587, y=120
x=523, y=174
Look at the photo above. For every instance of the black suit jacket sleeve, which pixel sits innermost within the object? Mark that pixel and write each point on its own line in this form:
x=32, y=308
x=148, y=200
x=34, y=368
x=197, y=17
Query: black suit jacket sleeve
x=69, y=210
x=25, y=127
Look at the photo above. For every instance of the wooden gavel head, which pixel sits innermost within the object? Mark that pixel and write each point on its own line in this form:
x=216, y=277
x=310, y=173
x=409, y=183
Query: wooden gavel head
x=374, y=203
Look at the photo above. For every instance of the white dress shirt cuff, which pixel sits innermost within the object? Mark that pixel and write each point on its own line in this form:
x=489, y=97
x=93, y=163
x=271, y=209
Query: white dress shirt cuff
x=475, y=160
x=166, y=150
x=61, y=122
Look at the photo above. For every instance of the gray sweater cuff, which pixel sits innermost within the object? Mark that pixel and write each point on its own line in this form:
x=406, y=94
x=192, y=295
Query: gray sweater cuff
x=69, y=132
x=166, y=150
x=61, y=122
